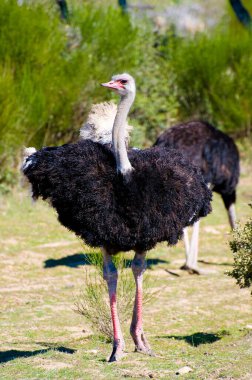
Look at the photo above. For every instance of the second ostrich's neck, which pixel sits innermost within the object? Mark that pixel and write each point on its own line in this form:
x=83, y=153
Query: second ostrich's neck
x=118, y=135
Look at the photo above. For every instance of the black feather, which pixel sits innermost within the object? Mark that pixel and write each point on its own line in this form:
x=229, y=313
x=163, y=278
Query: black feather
x=214, y=152
x=163, y=195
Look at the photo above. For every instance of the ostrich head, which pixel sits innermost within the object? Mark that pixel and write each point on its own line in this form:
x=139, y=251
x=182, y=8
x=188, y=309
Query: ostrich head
x=123, y=84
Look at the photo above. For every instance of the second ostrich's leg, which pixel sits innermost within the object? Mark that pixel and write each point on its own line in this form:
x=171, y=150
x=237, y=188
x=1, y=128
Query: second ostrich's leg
x=232, y=216
x=229, y=202
x=187, y=248
x=136, y=328
x=191, y=264
x=110, y=275
x=194, y=248
x=186, y=241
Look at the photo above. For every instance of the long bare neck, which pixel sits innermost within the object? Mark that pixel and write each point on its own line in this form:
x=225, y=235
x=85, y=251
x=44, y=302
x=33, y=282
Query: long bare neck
x=118, y=135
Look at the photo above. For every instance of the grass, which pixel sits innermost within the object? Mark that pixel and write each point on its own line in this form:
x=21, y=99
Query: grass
x=200, y=321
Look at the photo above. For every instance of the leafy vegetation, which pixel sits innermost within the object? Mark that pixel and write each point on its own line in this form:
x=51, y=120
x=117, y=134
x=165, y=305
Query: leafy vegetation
x=50, y=73
x=211, y=72
x=94, y=295
x=241, y=245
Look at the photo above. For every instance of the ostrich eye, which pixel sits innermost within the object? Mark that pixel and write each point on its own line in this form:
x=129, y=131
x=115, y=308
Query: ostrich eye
x=124, y=81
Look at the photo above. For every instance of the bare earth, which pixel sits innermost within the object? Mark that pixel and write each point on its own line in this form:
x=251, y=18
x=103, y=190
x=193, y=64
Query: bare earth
x=203, y=322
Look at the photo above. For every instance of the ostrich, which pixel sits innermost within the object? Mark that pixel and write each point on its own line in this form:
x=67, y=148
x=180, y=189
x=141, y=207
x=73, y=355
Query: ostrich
x=120, y=200
x=217, y=156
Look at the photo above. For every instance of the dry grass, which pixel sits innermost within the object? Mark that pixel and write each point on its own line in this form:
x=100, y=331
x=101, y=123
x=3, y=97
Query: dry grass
x=200, y=321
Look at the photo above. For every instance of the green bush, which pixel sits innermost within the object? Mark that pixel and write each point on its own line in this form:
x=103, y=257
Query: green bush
x=50, y=74
x=241, y=246
x=212, y=72
x=46, y=77
x=95, y=294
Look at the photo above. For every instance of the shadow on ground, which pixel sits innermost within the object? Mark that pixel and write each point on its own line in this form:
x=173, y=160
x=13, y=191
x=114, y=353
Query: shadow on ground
x=6, y=356
x=72, y=261
x=150, y=262
x=196, y=339
x=79, y=259
x=212, y=263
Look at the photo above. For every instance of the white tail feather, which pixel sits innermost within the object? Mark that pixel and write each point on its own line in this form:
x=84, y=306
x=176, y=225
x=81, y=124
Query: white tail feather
x=26, y=154
x=99, y=124
x=28, y=151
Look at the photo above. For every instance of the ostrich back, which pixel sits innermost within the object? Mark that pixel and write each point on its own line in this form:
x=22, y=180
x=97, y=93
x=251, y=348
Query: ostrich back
x=163, y=195
x=214, y=152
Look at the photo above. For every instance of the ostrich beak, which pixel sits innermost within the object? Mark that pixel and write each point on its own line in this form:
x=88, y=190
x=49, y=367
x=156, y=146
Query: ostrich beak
x=113, y=85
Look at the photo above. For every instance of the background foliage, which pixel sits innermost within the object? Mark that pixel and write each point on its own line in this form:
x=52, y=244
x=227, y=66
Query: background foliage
x=50, y=74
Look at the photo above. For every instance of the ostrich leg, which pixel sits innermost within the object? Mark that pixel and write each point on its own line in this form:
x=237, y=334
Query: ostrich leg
x=110, y=275
x=187, y=248
x=229, y=202
x=194, y=248
x=136, y=328
x=191, y=264
x=232, y=215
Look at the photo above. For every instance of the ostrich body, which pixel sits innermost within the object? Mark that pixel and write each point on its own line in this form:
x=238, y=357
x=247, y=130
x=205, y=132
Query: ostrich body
x=217, y=156
x=120, y=200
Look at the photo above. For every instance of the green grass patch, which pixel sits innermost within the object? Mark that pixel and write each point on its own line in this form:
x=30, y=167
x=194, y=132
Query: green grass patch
x=200, y=321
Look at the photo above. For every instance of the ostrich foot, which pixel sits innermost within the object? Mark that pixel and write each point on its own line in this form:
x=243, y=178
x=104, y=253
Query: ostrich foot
x=191, y=270
x=141, y=344
x=145, y=351
x=118, y=351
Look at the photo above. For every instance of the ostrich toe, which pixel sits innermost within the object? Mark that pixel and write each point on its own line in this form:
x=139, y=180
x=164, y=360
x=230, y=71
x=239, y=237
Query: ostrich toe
x=198, y=271
x=141, y=343
x=191, y=270
x=118, y=351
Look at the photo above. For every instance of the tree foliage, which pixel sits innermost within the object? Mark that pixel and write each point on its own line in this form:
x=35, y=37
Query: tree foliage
x=211, y=74
x=50, y=73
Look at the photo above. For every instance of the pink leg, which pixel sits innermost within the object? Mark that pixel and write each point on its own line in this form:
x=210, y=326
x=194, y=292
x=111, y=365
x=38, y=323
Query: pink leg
x=110, y=275
x=136, y=328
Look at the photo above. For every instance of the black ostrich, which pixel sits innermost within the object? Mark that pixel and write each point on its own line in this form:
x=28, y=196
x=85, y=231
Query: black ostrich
x=120, y=200
x=217, y=156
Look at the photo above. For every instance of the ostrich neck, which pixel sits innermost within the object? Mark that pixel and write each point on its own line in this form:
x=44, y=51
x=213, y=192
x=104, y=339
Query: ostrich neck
x=118, y=135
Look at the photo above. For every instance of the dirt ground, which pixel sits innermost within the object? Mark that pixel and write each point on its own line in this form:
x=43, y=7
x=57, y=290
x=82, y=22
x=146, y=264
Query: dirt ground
x=203, y=322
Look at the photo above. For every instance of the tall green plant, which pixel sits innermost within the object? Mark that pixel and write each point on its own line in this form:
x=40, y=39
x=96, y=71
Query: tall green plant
x=212, y=74
x=94, y=295
x=45, y=76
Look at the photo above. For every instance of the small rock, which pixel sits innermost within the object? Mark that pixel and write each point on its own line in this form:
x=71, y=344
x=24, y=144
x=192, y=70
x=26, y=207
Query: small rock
x=184, y=370
x=249, y=327
x=92, y=351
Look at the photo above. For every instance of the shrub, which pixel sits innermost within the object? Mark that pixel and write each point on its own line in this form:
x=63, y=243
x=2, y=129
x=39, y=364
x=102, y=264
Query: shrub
x=241, y=246
x=94, y=295
x=50, y=71
x=44, y=78
x=212, y=72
